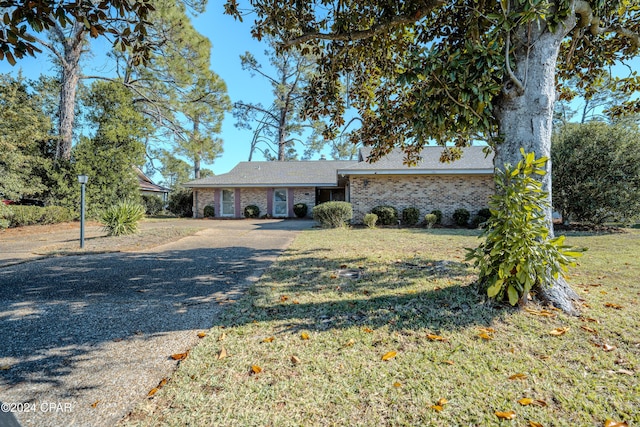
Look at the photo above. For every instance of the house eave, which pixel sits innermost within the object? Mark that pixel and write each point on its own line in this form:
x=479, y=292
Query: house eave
x=415, y=171
x=262, y=185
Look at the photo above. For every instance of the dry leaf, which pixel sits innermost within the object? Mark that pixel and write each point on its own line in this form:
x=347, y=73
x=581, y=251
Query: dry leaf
x=295, y=360
x=256, y=369
x=349, y=343
x=5, y=367
x=433, y=337
x=295, y=301
x=202, y=334
x=559, y=331
x=436, y=407
x=222, y=337
x=269, y=339
x=222, y=354
x=541, y=403
x=180, y=356
x=304, y=336
x=518, y=376
x=152, y=391
x=505, y=415
x=283, y=298
x=612, y=305
x=94, y=404
x=487, y=330
x=588, y=329
x=607, y=347
x=397, y=384
x=448, y=362
x=390, y=355
x=442, y=401
x=611, y=423
x=334, y=276
x=367, y=330
x=534, y=424
x=485, y=336
x=525, y=401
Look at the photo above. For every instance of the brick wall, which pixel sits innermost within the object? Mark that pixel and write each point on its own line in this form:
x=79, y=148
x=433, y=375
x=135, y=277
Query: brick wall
x=254, y=196
x=444, y=192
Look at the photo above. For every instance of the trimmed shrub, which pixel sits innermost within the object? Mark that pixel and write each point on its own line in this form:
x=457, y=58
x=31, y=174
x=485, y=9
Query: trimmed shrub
x=5, y=215
x=461, y=217
x=430, y=220
x=438, y=214
x=300, y=209
x=56, y=214
x=152, y=204
x=370, y=220
x=209, y=211
x=25, y=215
x=181, y=203
x=333, y=214
x=481, y=217
x=122, y=219
x=251, y=211
x=410, y=216
x=387, y=215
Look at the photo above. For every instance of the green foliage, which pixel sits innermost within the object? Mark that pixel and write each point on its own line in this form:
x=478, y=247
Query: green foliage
x=153, y=205
x=387, y=215
x=370, y=220
x=19, y=216
x=181, y=203
x=333, y=214
x=56, y=214
x=461, y=217
x=123, y=218
x=251, y=211
x=481, y=217
x=410, y=216
x=300, y=210
x=5, y=216
x=430, y=220
x=209, y=211
x=438, y=214
x=596, y=173
x=519, y=252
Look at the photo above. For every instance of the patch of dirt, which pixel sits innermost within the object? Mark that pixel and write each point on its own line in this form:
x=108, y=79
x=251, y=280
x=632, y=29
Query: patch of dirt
x=45, y=229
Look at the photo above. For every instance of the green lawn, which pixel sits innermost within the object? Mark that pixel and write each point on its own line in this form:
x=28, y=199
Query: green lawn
x=412, y=298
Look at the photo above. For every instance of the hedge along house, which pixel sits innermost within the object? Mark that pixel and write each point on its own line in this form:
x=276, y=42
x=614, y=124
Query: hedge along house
x=276, y=186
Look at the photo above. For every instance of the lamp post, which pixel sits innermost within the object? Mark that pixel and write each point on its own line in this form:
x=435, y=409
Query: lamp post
x=82, y=179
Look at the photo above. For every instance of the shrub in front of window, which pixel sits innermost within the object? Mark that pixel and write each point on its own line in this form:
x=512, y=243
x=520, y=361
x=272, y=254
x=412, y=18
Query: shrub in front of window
x=209, y=211
x=410, y=216
x=300, y=209
x=461, y=217
x=370, y=220
x=387, y=215
x=333, y=214
x=251, y=211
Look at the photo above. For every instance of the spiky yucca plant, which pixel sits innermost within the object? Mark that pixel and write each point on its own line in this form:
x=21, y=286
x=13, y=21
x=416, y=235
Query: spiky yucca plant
x=123, y=218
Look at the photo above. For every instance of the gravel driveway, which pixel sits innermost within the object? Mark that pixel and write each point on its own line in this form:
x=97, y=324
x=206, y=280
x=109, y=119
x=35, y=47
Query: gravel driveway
x=83, y=338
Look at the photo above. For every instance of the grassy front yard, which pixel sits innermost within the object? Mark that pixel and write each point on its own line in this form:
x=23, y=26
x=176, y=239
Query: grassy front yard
x=306, y=345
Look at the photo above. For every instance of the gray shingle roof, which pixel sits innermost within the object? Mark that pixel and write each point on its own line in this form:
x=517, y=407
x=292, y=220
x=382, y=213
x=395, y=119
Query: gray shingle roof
x=324, y=173
x=318, y=173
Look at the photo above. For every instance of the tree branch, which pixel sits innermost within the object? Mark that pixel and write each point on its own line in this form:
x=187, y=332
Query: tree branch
x=592, y=23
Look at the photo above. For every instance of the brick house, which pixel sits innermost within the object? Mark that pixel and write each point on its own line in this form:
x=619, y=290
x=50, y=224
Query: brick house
x=276, y=186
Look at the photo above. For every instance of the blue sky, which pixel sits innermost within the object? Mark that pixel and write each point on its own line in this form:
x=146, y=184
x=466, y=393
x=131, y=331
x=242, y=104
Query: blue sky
x=230, y=39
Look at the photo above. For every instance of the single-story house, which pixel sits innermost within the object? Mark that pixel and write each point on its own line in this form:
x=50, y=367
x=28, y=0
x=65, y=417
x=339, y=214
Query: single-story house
x=149, y=188
x=276, y=186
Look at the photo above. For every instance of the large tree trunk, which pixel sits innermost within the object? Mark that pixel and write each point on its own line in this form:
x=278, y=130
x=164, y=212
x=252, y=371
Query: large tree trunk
x=70, y=75
x=525, y=117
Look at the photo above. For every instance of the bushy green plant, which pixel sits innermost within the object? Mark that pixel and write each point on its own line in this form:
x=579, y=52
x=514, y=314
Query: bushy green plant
x=5, y=216
x=410, y=216
x=300, y=209
x=251, y=211
x=25, y=215
x=333, y=214
x=387, y=215
x=181, y=203
x=122, y=219
x=518, y=253
x=153, y=205
x=461, y=217
x=430, y=220
x=209, y=211
x=480, y=218
x=370, y=220
x=55, y=215
x=438, y=214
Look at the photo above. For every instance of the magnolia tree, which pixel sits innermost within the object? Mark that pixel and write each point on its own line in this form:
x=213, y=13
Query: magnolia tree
x=454, y=71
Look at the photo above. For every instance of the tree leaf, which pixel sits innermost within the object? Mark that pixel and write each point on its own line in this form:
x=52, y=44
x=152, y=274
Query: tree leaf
x=588, y=329
x=525, y=401
x=442, y=401
x=485, y=336
x=268, y=339
x=295, y=360
x=612, y=305
x=388, y=356
x=256, y=369
x=202, y=334
x=611, y=423
x=304, y=336
x=505, y=415
x=433, y=337
x=222, y=354
x=367, y=330
x=180, y=356
x=222, y=337
x=513, y=295
x=437, y=407
x=518, y=376
x=397, y=384
x=534, y=424
x=559, y=331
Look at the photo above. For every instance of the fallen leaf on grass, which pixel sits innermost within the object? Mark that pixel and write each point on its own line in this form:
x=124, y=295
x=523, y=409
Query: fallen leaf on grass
x=534, y=424
x=94, y=404
x=485, y=336
x=559, y=331
x=388, y=356
x=349, y=343
x=367, y=330
x=295, y=301
x=543, y=313
x=255, y=369
x=487, y=330
x=448, y=362
x=612, y=305
x=611, y=423
x=433, y=337
x=437, y=407
x=525, y=401
x=222, y=337
x=154, y=390
x=588, y=329
x=269, y=339
x=518, y=376
x=202, y=334
x=397, y=384
x=283, y=298
x=304, y=336
x=295, y=360
x=442, y=401
x=607, y=347
x=505, y=415
x=180, y=356
x=222, y=354
x=5, y=367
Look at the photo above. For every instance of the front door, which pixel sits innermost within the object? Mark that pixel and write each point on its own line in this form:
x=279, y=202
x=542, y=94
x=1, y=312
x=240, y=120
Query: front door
x=280, y=205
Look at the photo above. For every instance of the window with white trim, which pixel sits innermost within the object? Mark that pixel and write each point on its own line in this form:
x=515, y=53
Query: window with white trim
x=228, y=203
